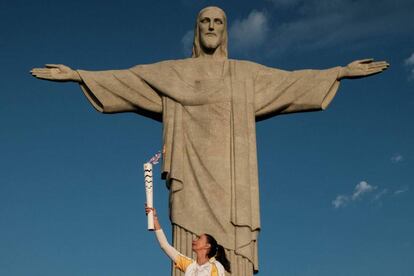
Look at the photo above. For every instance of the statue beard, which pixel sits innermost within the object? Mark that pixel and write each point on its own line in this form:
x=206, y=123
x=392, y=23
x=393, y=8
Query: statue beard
x=209, y=44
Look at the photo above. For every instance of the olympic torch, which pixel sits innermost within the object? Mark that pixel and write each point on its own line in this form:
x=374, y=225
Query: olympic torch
x=149, y=193
x=148, y=180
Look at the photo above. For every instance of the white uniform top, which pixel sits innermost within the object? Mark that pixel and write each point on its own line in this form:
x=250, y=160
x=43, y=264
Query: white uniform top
x=188, y=265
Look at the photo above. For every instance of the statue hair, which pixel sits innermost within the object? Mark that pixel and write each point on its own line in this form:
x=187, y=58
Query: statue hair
x=217, y=251
x=222, y=48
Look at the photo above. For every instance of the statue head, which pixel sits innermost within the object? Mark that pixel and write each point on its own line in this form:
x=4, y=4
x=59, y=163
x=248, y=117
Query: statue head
x=210, y=33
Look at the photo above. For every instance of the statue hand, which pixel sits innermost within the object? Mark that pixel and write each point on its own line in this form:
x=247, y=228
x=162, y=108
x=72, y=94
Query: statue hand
x=362, y=68
x=56, y=72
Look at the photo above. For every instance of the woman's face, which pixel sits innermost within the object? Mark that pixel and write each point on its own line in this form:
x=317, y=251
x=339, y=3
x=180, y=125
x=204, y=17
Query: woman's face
x=200, y=243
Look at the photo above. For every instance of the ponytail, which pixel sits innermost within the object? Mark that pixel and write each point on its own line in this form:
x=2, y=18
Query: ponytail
x=217, y=251
x=221, y=257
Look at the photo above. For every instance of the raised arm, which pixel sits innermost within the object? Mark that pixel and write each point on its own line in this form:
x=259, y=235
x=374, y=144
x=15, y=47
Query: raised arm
x=56, y=72
x=162, y=240
x=362, y=68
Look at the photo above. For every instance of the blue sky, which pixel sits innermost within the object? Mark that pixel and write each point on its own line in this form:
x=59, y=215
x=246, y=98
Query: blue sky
x=337, y=191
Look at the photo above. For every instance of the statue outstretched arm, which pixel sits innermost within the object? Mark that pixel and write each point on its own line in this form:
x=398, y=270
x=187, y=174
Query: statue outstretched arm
x=280, y=92
x=362, y=68
x=56, y=72
x=110, y=91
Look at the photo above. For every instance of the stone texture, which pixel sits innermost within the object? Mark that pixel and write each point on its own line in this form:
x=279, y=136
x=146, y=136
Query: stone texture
x=209, y=109
x=209, y=106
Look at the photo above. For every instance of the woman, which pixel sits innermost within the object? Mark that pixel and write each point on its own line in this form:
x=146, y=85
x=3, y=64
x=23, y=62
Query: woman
x=210, y=256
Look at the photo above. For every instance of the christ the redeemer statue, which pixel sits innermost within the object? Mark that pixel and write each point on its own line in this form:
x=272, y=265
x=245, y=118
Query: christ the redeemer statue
x=209, y=106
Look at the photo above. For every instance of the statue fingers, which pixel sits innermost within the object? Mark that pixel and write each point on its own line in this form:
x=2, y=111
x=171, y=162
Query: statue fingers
x=380, y=67
x=51, y=65
x=39, y=70
x=50, y=75
x=42, y=75
x=378, y=64
x=366, y=60
x=383, y=62
x=374, y=71
x=59, y=67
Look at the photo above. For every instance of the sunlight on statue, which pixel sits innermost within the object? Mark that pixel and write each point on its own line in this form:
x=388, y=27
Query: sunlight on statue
x=209, y=106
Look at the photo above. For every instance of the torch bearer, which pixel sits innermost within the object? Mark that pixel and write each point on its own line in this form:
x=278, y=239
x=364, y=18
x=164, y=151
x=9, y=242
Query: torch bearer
x=148, y=180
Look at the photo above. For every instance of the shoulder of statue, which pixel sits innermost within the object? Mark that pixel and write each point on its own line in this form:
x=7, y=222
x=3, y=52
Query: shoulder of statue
x=160, y=66
x=164, y=62
x=245, y=62
x=247, y=66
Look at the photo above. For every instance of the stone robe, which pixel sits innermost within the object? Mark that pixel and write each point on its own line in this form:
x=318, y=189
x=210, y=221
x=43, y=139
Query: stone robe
x=209, y=109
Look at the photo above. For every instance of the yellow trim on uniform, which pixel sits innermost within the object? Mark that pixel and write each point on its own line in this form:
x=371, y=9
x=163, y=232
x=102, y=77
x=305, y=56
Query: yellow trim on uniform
x=214, y=270
x=182, y=262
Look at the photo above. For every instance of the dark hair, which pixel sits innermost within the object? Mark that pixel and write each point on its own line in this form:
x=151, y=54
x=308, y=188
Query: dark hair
x=217, y=251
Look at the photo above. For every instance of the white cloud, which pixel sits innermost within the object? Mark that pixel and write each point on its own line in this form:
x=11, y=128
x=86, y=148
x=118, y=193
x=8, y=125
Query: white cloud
x=396, y=158
x=245, y=34
x=321, y=24
x=317, y=24
x=248, y=33
x=362, y=188
x=411, y=77
x=410, y=62
x=400, y=191
x=285, y=3
x=187, y=42
x=340, y=201
x=380, y=194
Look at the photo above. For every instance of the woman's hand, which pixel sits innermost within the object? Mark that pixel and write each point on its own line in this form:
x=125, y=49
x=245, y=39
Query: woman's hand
x=157, y=225
x=56, y=72
x=362, y=68
x=149, y=209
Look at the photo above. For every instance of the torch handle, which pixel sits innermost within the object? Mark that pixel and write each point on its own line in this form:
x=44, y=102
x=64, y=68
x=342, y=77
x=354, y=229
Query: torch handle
x=149, y=193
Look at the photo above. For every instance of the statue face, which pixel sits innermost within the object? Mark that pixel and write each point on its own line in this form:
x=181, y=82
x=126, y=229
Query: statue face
x=211, y=28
